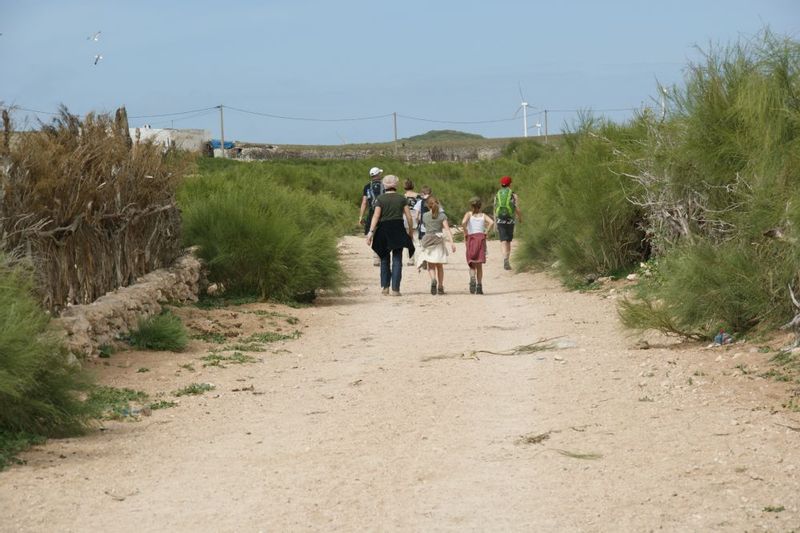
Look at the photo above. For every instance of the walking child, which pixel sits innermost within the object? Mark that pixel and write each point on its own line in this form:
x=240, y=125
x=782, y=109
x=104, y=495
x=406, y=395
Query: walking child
x=433, y=249
x=476, y=226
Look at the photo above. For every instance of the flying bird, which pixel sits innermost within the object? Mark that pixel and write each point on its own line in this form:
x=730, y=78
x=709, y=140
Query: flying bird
x=97, y=58
x=94, y=37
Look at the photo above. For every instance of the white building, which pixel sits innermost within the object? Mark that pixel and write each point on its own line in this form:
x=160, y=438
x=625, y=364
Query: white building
x=190, y=140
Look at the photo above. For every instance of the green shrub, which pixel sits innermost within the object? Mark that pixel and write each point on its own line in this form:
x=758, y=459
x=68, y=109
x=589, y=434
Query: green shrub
x=722, y=191
x=164, y=331
x=39, y=388
x=577, y=213
x=261, y=238
x=699, y=289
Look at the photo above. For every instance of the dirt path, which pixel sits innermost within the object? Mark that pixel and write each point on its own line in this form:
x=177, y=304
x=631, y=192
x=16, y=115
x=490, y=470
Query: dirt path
x=374, y=420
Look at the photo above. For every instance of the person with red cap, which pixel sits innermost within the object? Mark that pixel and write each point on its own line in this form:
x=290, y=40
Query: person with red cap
x=506, y=213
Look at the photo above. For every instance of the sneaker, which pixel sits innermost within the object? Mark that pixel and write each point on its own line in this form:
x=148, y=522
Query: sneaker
x=385, y=291
x=440, y=290
x=433, y=287
x=396, y=293
x=478, y=289
x=506, y=264
x=472, y=284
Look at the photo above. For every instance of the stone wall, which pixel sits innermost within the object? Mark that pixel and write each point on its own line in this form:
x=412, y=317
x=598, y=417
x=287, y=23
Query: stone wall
x=87, y=327
x=412, y=152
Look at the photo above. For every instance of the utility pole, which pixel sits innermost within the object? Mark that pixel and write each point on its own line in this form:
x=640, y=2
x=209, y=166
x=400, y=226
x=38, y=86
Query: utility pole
x=394, y=119
x=222, y=131
x=545, y=126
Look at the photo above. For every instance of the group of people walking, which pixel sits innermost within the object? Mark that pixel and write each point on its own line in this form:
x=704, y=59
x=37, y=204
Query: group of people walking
x=394, y=222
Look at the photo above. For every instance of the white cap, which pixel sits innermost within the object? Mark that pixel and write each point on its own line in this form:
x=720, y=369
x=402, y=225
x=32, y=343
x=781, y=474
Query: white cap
x=374, y=171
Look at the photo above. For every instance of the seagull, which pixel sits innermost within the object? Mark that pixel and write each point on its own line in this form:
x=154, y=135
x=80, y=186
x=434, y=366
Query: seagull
x=97, y=58
x=95, y=37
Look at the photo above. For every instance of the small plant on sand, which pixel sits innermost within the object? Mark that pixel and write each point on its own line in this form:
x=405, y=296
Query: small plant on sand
x=162, y=404
x=236, y=358
x=111, y=403
x=164, y=331
x=194, y=389
x=212, y=337
x=272, y=336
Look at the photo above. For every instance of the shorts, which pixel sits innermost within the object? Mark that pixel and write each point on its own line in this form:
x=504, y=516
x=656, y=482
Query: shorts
x=505, y=230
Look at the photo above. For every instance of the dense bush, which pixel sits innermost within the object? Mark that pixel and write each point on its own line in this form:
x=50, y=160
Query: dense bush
x=164, y=331
x=576, y=213
x=38, y=386
x=724, y=171
x=260, y=237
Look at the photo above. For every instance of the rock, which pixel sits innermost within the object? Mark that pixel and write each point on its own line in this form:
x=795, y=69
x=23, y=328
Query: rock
x=632, y=277
x=642, y=344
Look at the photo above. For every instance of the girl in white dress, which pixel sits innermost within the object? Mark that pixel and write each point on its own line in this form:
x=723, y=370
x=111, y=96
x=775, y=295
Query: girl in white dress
x=433, y=250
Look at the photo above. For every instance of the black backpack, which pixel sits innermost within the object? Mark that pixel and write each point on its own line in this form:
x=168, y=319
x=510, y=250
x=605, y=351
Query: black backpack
x=374, y=189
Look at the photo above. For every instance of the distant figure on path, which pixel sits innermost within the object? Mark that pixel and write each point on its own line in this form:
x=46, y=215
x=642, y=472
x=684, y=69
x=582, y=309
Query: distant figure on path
x=372, y=190
x=388, y=235
x=506, y=211
x=432, y=253
x=412, y=198
x=476, y=225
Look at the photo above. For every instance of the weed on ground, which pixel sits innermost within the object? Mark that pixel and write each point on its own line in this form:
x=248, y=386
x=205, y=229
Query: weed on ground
x=194, y=389
x=12, y=443
x=111, y=403
x=218, y=359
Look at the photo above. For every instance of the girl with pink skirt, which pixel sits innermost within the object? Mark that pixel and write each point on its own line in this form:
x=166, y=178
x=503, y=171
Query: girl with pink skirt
x=476, y=226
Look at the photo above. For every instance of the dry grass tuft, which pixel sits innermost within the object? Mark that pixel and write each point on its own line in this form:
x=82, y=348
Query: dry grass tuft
x=89, y=208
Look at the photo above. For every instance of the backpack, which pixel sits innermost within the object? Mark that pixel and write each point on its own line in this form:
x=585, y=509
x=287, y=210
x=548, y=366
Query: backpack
x=374, y=189
x=504, y=204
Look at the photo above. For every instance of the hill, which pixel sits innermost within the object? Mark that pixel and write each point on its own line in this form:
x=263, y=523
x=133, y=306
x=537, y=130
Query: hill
x=444, y=135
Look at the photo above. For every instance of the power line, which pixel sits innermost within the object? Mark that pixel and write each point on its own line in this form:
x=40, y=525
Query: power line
x=13, y=107
x=175, y=114
x=308, y=119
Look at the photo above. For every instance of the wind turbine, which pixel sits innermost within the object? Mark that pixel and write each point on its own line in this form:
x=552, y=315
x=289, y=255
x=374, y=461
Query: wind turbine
x=524, y=107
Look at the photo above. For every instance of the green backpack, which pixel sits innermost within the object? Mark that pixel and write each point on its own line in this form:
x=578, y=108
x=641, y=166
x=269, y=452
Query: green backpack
x=504, y=203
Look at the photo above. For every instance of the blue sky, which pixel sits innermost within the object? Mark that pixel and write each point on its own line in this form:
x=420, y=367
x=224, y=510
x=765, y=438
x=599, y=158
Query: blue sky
x=448, y=61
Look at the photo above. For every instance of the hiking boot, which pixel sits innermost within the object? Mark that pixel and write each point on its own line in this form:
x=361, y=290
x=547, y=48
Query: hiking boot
x=478, y=289
x=433, y=287
x=440, y=290
x=472, y=284
x=396, y=293
x=385, y=291
x=506, y=264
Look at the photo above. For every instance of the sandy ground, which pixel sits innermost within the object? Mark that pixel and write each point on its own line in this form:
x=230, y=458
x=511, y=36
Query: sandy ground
x=377, y=418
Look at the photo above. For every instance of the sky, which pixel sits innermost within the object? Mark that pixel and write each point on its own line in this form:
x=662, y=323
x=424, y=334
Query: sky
x=339, y=71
